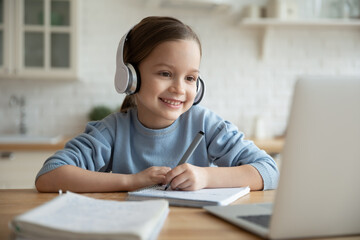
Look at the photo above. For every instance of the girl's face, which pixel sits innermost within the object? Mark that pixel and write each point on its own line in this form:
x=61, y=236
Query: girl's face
x=168, y=82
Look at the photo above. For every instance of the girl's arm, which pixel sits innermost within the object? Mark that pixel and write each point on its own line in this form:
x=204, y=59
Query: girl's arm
x=76, y=179
x=239, y=162
x=240, y=176
x=84, y=165
x=190, y=177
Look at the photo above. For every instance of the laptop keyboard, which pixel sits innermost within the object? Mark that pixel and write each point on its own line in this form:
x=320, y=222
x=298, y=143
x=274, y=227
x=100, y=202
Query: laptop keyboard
x=262, y=220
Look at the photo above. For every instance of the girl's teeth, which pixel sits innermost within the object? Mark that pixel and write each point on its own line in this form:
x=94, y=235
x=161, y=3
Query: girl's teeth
x=171, y=102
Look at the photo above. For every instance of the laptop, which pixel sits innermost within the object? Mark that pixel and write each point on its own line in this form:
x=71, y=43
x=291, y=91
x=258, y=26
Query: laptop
x=318, y=193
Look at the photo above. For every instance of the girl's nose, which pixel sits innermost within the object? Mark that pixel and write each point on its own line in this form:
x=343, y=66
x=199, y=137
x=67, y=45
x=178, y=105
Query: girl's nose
x=177, y=86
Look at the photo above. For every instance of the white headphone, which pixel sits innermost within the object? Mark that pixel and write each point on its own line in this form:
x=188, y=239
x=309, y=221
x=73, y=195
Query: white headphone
x=127, y=77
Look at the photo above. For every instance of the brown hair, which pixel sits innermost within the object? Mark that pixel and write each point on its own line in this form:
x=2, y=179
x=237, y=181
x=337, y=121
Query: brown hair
x=148, y=34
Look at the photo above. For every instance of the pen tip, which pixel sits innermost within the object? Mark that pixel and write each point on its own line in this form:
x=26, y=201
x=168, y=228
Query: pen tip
x=201, y=132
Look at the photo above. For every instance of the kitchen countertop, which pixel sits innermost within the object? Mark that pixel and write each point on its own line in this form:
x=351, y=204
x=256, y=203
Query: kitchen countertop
x=34, y=146
x=270, y=145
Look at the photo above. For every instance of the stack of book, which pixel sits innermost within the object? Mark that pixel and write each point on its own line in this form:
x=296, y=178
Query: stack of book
x=74, y=216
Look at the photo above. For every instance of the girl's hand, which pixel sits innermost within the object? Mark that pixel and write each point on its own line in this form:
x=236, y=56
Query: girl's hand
x=187, y=177
x=150, y=176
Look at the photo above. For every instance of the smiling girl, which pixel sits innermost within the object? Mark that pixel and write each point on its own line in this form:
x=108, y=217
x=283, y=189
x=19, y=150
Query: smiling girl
x=142, y=144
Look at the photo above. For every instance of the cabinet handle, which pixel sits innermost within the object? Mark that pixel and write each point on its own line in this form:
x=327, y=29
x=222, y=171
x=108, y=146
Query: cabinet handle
x=6, y=155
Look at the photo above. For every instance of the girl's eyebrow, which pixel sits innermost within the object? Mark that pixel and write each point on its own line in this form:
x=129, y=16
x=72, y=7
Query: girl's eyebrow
x=172, y=67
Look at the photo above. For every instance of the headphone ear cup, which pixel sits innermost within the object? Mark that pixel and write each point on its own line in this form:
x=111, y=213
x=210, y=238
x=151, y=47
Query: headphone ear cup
x=200, y=91
x=134, y=79
x=127, y=76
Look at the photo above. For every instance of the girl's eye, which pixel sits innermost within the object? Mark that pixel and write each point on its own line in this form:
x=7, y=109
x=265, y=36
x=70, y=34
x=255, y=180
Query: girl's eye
x=165, y=74
x=191, y=78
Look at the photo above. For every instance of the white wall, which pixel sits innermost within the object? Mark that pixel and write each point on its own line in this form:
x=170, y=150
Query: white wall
x=240, y=85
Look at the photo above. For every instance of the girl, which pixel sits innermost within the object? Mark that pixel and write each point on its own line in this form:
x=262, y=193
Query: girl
x=142, y=144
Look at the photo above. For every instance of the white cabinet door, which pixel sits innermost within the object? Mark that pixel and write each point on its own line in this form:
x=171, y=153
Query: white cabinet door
x=39, y=39
x=19, y=171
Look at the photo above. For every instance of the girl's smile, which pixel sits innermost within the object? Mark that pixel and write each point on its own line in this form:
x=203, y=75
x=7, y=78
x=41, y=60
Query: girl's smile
x=173, y=103
x=168, y=82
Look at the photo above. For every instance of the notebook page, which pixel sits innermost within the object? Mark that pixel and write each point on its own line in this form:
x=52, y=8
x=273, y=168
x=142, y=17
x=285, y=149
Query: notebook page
x=213, y=194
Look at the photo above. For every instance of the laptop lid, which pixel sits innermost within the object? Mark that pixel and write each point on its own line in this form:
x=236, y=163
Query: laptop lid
x=318, y=192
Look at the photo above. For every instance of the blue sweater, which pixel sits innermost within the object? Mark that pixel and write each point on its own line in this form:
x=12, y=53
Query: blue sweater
x=121, y=144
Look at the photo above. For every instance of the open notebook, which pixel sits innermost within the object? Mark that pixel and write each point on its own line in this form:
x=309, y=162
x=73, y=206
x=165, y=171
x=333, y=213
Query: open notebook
x=73, y=216
x=199, y=198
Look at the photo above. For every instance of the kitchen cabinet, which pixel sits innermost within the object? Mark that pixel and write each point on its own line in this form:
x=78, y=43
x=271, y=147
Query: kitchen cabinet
x=20, y=162
x=20, y=168
x=38, y=39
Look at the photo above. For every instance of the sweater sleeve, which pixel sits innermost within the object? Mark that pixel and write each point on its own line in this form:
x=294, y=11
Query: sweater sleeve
x=227, y=147
x=90, y=150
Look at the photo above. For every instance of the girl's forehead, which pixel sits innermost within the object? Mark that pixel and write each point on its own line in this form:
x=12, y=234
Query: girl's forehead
x=180, y=54
x=179, y=41
x=177, y=48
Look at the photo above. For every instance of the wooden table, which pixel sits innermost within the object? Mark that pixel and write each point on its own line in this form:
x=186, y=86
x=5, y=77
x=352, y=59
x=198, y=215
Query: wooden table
x=182, y=223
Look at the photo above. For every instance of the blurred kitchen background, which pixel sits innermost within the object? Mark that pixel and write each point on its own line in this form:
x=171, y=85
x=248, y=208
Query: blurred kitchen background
x=249, y=67
x=57, y=57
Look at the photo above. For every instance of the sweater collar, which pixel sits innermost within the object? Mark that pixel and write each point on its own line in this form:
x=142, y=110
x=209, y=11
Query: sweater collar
x=151, y=132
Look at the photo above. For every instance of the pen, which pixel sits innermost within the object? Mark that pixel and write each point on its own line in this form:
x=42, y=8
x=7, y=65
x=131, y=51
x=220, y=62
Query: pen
x=189, y=151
